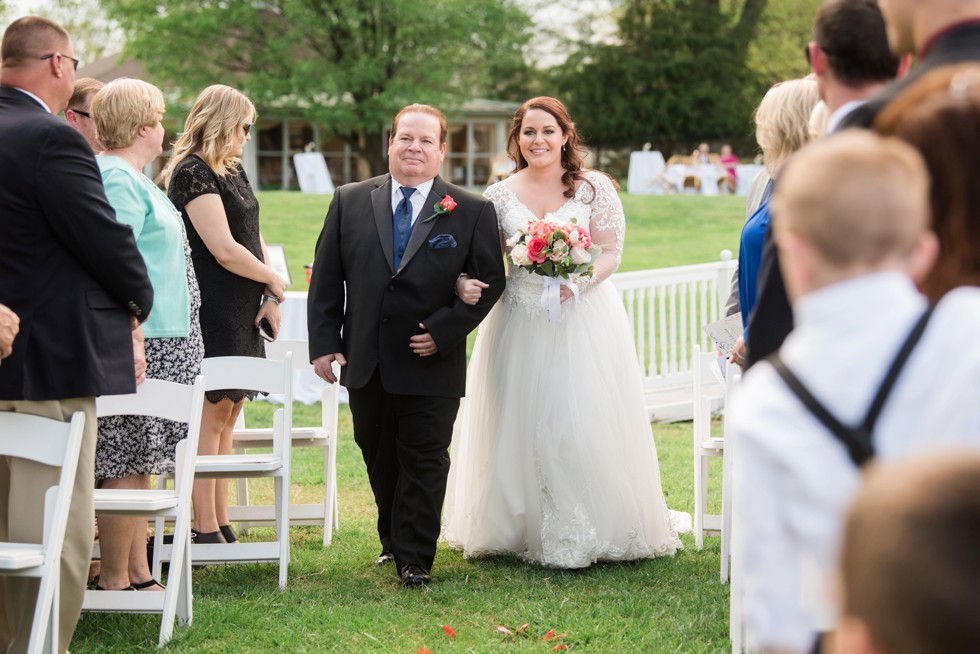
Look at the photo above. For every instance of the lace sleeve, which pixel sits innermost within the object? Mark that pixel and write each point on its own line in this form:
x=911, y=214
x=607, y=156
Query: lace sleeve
x=192, y=179
x=607, y=225
x=497, y=194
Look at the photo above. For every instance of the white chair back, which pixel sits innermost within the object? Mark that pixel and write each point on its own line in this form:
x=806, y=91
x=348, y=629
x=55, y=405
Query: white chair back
x=708, y=393
x=181, y=403
x=53, y=443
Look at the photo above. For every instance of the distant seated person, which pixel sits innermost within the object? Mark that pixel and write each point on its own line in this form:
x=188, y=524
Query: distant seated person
x=909, y=567
x=729, y=162
x=701, y=156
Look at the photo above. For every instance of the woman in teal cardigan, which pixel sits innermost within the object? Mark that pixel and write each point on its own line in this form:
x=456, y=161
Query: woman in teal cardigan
x=127, y=114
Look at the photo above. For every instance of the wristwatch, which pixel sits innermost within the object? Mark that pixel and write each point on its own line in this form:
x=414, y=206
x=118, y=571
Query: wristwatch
x=271, y=298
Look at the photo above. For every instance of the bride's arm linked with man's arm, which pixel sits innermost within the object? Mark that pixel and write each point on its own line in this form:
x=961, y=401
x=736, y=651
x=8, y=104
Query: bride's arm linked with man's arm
x=607, y=227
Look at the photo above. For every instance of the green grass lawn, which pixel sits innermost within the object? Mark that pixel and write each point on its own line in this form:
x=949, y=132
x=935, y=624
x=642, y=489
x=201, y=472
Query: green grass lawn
x=338, y=601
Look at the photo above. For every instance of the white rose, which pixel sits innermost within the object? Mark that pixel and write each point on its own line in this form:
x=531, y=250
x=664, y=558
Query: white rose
x=519, y=255
x=580, y=255
x=573, y=237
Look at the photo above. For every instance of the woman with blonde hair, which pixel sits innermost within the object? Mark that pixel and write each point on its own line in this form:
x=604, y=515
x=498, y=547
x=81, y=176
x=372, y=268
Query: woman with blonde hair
x=782, y=126
x=239, y=290
x=127, y=114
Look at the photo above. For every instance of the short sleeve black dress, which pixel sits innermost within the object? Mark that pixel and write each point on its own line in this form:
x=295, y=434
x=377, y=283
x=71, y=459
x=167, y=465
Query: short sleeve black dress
x=229, y=302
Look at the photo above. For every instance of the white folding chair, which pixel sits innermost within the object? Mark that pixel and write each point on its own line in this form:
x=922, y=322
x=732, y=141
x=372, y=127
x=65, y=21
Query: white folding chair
x=324, y=435
x=708, y=393
x=53, y=443
x=181, y=403
x=266, y=376
x=731, y=510
x=733, y=374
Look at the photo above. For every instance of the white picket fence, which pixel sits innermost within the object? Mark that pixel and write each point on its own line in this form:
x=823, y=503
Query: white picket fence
x=667, y=308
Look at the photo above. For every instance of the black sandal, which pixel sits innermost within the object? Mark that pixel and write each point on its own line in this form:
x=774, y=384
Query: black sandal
x=143, y=585
x=206, y=537
x=228, y=533
x=98, y=587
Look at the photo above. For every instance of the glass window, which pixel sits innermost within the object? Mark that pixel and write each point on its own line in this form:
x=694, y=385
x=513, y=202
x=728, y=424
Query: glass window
x=270, y=135
x=484, y=137
x=456, y=139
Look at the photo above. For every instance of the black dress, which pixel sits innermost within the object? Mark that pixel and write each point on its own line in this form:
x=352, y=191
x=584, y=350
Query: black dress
x=229, y=302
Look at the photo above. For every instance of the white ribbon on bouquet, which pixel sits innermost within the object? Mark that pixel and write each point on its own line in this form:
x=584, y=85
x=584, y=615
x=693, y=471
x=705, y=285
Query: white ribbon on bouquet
x=551, y=296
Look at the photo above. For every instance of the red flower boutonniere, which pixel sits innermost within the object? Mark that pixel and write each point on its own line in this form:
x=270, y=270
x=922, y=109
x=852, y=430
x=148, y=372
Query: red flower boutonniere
x=446, y=205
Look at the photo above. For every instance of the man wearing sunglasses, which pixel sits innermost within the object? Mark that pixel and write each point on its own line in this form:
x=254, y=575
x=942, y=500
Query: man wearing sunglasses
x=73, y=275
x=79, y=112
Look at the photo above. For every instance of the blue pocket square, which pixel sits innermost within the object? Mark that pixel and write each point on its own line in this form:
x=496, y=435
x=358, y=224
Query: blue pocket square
x=442, y=241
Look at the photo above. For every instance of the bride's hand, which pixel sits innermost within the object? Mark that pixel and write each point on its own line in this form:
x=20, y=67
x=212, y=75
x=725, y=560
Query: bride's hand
x=565, y=292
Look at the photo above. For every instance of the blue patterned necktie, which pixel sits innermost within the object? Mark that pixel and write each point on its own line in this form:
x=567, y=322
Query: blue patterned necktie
x=401, y=224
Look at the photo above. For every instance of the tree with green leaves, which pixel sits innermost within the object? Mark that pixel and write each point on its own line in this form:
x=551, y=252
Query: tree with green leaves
x=346, y=64
x=680, y=72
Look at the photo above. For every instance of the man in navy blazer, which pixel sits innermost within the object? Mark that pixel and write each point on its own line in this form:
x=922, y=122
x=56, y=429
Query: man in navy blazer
x=382, y=305
x=73, y=276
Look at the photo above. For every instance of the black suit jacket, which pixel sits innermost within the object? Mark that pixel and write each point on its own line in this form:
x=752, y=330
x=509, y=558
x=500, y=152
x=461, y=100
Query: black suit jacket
x=384, y=307
x=959, y=45
x=69, y=270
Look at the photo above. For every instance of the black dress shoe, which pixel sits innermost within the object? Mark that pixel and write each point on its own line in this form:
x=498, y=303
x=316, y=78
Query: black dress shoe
x=386, y=557
x=414, y=576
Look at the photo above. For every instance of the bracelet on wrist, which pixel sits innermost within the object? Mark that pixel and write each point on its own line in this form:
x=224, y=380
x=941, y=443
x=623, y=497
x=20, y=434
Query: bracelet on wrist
x=271, y=298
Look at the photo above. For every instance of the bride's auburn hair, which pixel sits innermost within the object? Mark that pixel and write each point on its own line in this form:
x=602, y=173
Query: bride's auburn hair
x=217, y=114
x=572, y=155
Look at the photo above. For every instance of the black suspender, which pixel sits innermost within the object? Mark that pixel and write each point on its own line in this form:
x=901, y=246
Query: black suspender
x=857, y=440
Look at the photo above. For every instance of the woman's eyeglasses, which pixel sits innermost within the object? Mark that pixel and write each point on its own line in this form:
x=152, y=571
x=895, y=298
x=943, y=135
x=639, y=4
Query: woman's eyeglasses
x=246, y=127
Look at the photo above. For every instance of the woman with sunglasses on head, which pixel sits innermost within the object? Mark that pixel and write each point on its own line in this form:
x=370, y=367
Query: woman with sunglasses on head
x=206, y=182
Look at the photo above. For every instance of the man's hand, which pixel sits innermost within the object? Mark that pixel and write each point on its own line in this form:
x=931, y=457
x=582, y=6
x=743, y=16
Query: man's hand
x=323, y=366
x=423, y=344
x=9, y=326
x=469, y=290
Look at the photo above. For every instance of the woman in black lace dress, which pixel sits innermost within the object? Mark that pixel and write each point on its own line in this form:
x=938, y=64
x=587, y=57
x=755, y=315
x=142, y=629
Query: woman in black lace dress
x=207, y=184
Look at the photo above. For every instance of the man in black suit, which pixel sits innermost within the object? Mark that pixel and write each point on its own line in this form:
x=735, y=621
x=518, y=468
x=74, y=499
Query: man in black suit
x=938, y=32
x=73, y=275
x=399, y=243
x=851, y=59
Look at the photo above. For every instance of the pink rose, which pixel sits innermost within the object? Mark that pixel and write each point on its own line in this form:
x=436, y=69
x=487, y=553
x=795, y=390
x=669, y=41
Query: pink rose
x=536, y=248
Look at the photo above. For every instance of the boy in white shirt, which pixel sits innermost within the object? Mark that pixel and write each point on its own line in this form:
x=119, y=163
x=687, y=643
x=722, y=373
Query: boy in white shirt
x=850, y=219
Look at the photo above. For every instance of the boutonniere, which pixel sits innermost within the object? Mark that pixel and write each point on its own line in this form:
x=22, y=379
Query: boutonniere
x=444, y=206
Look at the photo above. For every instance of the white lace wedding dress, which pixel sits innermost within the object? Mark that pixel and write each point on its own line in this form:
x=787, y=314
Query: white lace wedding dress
x=553, y=457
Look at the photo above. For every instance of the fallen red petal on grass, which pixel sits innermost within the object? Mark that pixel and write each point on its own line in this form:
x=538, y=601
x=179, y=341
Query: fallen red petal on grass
x=449, y=631
x=504, y=630
x=558, y=647
x=549, y=635
x=424, y=650
x=523, y=627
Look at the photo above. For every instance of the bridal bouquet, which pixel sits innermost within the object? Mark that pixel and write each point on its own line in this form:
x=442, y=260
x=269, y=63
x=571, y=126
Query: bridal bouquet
x=556, y=251
x=553, y=249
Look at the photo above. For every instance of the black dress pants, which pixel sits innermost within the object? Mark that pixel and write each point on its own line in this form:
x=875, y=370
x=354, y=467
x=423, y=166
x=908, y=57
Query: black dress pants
x=405, y=440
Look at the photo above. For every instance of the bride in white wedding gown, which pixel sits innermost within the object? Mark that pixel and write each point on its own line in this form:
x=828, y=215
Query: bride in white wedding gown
x=553, y=457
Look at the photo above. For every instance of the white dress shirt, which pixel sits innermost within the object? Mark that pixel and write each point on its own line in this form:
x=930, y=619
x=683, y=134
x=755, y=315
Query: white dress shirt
x=417, y=199
x=796, y=479
x=36, y=99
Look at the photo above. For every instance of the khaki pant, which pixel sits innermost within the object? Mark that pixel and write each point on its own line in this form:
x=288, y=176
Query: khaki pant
x=22, y=487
